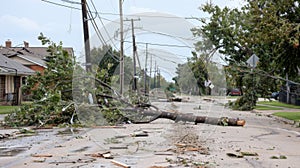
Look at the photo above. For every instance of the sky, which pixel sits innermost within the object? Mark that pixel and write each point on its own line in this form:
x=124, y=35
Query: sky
x=24, y=20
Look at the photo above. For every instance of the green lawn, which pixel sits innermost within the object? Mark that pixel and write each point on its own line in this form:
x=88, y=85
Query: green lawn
x=7, y=109
x=278, y=104
x=260, y=107
x=289, y=115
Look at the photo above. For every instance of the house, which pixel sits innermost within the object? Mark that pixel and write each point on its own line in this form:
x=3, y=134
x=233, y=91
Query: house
x=25, y=58
x=11, y=75
x=31, y=57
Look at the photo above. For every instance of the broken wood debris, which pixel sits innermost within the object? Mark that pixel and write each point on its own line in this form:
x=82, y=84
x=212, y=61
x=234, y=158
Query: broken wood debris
x=134, y=134
x=41, y=160
x=280, y=157
x=87, y=160
x=105, y=155
x=235, y=155
x=41, y=155
x=117, y=163
x=189, y=143
x=139, y=134
x=164, y=153
x=241, y=154
x=249, y=153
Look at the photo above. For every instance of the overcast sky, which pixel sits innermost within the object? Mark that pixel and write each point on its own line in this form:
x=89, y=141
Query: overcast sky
x=23, y=20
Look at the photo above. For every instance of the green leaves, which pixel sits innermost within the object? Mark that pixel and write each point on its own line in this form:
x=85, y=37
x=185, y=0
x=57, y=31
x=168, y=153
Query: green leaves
x=49, y=91
x=267, y=28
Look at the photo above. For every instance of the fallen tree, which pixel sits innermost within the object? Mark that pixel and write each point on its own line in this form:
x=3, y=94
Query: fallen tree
x=114, y=109
x=225, y=121
x=137, y=111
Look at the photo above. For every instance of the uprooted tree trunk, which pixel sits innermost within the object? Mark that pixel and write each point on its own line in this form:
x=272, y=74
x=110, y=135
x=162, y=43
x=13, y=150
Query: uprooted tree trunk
x=225, y=121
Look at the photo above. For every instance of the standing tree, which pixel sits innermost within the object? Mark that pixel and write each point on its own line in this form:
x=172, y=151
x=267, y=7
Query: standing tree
x=50, y=89
x=269, y=29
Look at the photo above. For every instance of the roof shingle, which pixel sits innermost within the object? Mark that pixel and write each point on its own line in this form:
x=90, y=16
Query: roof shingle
x=10, y=66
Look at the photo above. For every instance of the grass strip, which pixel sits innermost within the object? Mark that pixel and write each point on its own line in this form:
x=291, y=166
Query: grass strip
x=261, y=107
x=7, y=109
x=278, y=104
x=295, y=116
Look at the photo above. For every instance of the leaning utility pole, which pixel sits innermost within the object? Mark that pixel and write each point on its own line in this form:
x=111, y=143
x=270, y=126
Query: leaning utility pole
x=88, y=63
x=121, y=48
x=134, y=50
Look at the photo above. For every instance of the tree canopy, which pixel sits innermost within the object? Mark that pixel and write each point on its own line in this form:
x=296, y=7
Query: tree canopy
x=268, y=28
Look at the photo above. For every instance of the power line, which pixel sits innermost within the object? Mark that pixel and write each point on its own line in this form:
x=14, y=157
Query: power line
x=102, y=18
x=99, y=35
x=97, y=14
x=117, y=14
x=169, y=35
x=174, y=62
x=160, y=44
x=169, y=54
x=62, y=5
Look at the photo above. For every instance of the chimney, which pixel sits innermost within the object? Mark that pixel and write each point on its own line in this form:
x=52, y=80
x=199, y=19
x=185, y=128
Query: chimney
x=26, y=44
x=8, y=44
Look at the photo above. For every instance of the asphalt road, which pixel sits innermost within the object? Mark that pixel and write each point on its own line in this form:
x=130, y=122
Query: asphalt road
x=263, y=142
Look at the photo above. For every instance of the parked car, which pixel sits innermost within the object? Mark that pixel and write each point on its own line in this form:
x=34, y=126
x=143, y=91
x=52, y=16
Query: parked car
x=235, y=92
x=275, y=95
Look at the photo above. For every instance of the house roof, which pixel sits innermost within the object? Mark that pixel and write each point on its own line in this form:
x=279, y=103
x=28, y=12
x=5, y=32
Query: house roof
x=9, y=66
x=35, y=55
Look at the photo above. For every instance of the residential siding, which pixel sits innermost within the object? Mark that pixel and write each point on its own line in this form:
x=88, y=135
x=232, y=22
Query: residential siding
x=36, y=68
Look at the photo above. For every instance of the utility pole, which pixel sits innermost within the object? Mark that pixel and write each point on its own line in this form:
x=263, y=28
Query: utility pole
x=134, y=50
x=134, y=57
x=145, y=71
x=121, y=48
x=154, y=75
x=150, y=72
x=88, y=63
x=158, y=77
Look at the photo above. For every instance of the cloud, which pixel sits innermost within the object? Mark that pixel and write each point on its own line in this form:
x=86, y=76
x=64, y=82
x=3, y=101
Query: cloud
x=22, y=23
x=134, y=9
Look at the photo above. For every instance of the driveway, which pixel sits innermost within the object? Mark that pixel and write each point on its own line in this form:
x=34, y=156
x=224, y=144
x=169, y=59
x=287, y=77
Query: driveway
x=263, y=142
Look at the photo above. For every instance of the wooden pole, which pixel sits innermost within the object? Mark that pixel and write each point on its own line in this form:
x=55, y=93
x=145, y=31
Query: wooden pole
x=121, y=48
x=86, y=37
